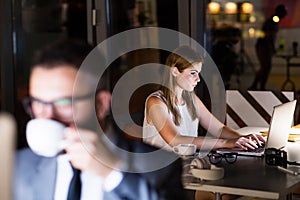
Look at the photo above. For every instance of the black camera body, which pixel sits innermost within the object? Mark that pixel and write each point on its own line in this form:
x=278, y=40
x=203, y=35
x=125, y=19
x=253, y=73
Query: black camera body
x=276, y=157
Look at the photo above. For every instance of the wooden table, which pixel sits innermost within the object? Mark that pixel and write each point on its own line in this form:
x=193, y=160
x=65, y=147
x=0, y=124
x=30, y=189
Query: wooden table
x=250, y=176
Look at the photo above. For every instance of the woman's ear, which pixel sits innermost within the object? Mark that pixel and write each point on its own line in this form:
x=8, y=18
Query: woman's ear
x=174, y=71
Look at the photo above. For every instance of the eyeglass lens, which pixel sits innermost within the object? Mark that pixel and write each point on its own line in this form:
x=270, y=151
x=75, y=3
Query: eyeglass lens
x=61, y=107
x=230, y=158
x=216, y=158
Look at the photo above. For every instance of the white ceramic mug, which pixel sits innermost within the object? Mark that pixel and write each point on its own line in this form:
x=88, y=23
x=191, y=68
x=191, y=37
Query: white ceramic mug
x=45, y=136
x=185, y=149
x=293, y=150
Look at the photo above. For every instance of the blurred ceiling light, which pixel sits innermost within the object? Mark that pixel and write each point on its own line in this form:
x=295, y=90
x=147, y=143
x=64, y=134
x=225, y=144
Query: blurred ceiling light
x=276, y=19
x=214, y=7
x=260, y=34
x=230, y=8
x=251, y=32
x=246, y=8
x=252, y=19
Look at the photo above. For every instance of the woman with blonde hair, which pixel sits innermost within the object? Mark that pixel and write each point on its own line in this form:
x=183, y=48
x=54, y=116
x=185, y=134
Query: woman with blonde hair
x=173, y=113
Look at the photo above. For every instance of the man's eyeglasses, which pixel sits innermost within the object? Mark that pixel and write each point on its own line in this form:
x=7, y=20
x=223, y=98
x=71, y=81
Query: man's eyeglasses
x=61, y=107
x=216, y=158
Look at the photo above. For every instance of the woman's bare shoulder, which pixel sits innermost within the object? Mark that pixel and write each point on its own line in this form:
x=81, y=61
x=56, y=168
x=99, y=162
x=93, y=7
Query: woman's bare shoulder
x=154, y=100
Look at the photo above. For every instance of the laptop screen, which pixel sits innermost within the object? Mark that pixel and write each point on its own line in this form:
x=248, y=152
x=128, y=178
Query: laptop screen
x=278, y=131
x=281, y=122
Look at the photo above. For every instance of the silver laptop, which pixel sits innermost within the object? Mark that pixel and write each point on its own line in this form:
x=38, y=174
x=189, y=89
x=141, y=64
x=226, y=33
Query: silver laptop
x=278, y=132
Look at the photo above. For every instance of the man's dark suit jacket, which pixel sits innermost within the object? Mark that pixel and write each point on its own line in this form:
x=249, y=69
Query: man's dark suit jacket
x=35, y=176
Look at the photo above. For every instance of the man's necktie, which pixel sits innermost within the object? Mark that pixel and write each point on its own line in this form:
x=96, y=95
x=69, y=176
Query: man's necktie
x=75, y=186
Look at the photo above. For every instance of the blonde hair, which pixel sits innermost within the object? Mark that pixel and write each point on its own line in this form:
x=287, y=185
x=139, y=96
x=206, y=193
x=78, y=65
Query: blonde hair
x=181, y=58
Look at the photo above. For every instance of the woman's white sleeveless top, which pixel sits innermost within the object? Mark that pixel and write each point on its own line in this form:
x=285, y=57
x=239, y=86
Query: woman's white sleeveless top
x=187, y=127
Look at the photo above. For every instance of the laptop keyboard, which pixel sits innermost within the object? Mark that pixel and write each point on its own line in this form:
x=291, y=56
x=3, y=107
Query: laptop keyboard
x=260, y=149
x=250, y=152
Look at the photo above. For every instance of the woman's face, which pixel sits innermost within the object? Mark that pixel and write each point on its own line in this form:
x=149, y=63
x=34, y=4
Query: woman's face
x=189, y=78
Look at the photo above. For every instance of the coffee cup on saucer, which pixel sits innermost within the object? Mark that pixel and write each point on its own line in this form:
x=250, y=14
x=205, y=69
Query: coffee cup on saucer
x=185, y=149
x=45, y=137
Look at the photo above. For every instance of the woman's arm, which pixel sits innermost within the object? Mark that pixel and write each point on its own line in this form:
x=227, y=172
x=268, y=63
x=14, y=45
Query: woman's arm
x=217, y=129
x=211, y=123
x=157, y=114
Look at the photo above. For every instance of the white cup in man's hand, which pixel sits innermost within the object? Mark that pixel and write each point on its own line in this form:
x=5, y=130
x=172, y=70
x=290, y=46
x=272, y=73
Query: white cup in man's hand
x=185, y=149
x=45, y=137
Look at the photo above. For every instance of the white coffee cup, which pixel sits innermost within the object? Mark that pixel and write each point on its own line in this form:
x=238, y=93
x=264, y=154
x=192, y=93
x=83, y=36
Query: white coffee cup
x=293, y=150
x=185, y=149
x=45, y=136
